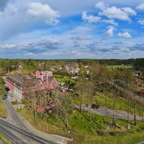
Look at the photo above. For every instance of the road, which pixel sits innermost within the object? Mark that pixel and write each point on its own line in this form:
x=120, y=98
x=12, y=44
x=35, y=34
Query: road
x=141, y=142
x=20, y=131
x=115, y=113
x=108, y=112
x=21, y=136
x=13, y=117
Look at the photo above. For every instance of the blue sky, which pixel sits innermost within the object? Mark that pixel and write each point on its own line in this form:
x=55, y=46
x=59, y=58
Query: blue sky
x=68, y=29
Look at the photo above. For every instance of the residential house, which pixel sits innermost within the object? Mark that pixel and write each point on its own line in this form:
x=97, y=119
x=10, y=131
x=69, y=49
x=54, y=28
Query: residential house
x=72, y=70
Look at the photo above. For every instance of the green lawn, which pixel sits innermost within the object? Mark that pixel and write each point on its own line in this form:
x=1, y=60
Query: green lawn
x=3, y=112
x=95, y=131
x=4, y=140
x=107, y=100
x=125, y=138
x=120, y=66
x=85, y=131
x=66, y=80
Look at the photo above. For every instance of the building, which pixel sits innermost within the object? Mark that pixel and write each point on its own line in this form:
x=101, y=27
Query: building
x=19, y=84
x=72, y=70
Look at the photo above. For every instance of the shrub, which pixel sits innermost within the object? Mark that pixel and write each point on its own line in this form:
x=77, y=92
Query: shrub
x=101, y=133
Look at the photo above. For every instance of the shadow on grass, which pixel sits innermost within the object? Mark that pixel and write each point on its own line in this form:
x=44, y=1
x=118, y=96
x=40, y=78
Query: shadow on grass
x=87, y=118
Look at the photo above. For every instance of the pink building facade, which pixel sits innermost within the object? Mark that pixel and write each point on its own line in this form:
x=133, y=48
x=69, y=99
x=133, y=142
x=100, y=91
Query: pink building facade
x=17, y=83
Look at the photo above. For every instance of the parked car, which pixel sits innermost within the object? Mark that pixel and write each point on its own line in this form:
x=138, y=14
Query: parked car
x=95, y=106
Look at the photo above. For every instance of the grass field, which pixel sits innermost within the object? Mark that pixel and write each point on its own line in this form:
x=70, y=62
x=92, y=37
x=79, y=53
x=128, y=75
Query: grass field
x=108, y=99
x=120, y=66
x=3, y=112
x=85, y=131
x=4, y=140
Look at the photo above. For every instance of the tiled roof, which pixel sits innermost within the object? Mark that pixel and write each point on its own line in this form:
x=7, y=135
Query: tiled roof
x=40, y=110
x=16, y=78
x=50, y=106
x=21, y=80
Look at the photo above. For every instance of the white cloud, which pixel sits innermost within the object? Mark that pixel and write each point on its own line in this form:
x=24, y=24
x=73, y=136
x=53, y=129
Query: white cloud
x=29, y=54
x=124, y=35
x=43, y=12
x=100, y=5
x=18, y=17
x=110, y=30
x=113, y=12
x=90, y=18
x=51, y=53
x=141, y=21
x=110, y=22
x=8, y=46
x=140, y=7
x=129, y=11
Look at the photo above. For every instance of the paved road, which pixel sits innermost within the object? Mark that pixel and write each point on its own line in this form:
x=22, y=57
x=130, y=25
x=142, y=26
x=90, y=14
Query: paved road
x=16, y=128
x=19, y=136
x=117, y=114
x=13, y=117
x=108, y=112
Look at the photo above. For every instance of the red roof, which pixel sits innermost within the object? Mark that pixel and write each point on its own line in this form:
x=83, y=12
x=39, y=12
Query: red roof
x=36, y=107
x=50, y=106
x=40, y=110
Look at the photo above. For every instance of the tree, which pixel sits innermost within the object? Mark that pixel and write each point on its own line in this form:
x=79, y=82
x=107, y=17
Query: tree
x=80, y=87
x=64, y=108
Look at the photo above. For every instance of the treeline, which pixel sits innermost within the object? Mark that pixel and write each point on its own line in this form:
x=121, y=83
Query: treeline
x=7, y=65
x=138, y=63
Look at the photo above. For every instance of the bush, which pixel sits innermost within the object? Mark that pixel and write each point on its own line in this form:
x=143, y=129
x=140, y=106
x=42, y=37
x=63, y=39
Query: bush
x=19, y=110
x=113, y=133
x=14, y=102
x=101, y=133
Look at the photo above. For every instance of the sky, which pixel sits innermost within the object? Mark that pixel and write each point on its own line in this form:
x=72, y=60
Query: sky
x=69, y=29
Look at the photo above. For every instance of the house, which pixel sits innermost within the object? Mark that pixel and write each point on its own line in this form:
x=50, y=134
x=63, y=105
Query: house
x=72, y=70
x=86, y=66
x=20, y=84
x=74, y=77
